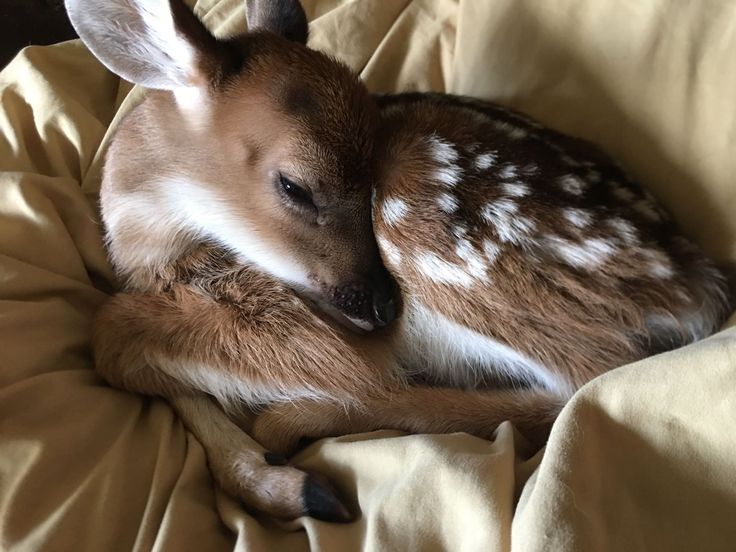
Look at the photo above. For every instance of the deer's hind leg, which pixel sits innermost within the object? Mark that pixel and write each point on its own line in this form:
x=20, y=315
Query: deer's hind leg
x=414, y=410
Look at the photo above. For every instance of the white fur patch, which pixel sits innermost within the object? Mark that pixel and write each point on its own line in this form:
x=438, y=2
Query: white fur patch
x=591, y=253
x=389, y=251
x=447, y=203
x=515, y=189
x=189, y=98
x=660, y=265
x=394, y=210
x=512, y=131
x=441, y=271
x=625, y=231
x=180, y=205
x=474, y=262
x=492, y=250
x=508, y=171
x=442, y=151
x=449, y=172
x=579, y=218
x=449, y=176
x=572, y=184
x=508, y=224
x=485, y=160
x=456, y=354
x=459, y=231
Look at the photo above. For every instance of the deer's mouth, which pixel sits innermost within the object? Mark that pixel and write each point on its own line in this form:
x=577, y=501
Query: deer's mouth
x=359, y=314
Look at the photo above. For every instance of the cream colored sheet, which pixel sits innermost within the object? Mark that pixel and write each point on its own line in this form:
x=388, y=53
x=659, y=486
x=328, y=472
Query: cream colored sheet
x=641, y=459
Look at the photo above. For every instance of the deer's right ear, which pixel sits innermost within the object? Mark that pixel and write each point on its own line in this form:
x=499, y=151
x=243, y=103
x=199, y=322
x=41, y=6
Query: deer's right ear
x=282, y=17
x=154, y=43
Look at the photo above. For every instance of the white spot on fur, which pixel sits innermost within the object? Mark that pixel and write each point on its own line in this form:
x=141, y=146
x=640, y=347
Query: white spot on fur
x=445, y=154
x=660, y=265
x=492, y=250
x=459, y=231
x=624, y=230
x=389, y=251
x=572, y=184
x=476, y=267
x=192, y=101
x=515, y=189
x=394, y=210
x=591, y=253
x=579, y=218
x=508, y=171
x=462, y=357
x=509, y=226
x=447, y=203
x=441, y=271
x=449, y=175
x=485, y=160
x=512, y=131
x=442, y=151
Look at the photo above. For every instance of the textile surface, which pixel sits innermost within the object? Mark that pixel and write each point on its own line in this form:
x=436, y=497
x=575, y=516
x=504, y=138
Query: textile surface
x=643, y=458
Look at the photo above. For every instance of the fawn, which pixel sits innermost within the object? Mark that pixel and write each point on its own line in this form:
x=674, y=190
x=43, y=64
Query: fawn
x=346, y=262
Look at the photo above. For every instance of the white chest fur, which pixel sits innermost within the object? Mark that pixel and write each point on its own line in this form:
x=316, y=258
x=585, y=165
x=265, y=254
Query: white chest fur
x=448, y=352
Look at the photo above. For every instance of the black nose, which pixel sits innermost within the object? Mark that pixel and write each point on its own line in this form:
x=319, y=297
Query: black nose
x=384, y=312
x=383, y=296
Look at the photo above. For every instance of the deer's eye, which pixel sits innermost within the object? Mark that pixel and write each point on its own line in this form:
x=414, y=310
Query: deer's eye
x=295, y=192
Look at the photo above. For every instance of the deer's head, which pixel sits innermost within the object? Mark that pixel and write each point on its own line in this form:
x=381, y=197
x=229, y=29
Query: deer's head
x=269, y=144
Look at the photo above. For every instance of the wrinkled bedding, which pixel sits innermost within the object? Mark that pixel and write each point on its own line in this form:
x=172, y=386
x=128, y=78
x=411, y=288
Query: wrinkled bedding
x=643, y=458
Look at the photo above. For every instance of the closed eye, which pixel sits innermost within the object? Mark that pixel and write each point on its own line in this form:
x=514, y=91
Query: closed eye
x=295, y=193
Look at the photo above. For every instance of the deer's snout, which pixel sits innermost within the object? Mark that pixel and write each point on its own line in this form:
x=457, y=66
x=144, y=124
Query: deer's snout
x=384, y=299
x=369, y=301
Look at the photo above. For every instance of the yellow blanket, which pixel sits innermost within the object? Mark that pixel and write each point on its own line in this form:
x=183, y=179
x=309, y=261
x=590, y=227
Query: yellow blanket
x=643, y=458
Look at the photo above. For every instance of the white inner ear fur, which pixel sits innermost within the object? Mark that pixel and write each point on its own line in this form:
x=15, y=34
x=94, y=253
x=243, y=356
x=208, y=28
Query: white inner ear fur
x=136, y=39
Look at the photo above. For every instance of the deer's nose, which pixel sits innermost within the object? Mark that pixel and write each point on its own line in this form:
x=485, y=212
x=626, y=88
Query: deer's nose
x=383, y=297
x=384, y=311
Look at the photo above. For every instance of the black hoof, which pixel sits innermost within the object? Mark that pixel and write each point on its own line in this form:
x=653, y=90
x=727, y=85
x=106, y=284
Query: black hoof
x=321, y=502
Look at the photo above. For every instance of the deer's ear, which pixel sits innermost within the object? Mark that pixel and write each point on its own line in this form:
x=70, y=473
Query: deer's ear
x=282, y=17
x=154, y=43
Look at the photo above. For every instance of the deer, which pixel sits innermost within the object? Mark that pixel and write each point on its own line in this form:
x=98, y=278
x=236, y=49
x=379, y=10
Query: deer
x=340, y=261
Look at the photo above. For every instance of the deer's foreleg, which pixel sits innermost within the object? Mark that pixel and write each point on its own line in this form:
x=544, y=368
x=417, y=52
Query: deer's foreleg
x=188, y=343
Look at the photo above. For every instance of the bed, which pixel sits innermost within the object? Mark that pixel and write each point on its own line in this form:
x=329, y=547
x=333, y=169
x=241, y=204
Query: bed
x=643, y=458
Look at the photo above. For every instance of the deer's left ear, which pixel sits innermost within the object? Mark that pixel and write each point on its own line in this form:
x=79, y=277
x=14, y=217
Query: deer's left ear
x=154, y=43
x=282, y=17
